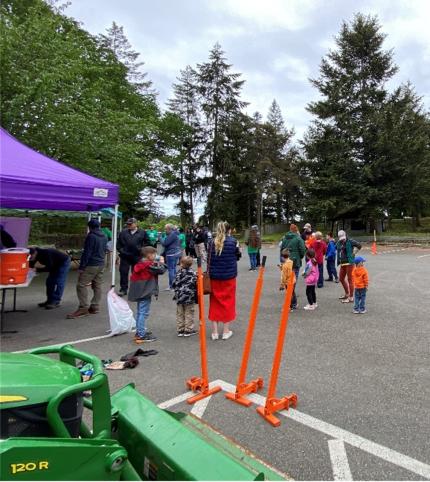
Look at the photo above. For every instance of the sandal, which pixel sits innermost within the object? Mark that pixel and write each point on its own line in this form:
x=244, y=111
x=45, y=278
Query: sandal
x=347, y=300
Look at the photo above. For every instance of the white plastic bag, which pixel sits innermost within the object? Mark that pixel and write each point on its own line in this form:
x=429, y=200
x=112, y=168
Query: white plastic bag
x=121, y=317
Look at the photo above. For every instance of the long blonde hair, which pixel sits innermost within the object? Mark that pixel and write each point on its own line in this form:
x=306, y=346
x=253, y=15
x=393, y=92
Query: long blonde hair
x=222, y=228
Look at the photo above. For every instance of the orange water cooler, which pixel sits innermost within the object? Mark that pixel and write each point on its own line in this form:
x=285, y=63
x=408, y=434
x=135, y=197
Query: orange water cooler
x=14, y=266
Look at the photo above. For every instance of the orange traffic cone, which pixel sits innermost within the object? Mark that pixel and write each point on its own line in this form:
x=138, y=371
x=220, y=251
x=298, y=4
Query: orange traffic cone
x=374, y=250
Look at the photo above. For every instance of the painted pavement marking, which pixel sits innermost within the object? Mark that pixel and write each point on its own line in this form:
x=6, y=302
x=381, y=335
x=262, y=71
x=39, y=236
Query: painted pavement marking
x=75, y=342
x=199, y=407
x=339, y=434
x=339, y=460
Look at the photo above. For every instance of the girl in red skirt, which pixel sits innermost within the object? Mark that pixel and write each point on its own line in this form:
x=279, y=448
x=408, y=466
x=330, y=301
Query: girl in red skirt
x=222, y=261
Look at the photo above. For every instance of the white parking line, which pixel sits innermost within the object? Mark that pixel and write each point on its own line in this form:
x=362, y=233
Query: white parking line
x=339, y=460
x=384, y=453
x=74, y=342
x=199, y=407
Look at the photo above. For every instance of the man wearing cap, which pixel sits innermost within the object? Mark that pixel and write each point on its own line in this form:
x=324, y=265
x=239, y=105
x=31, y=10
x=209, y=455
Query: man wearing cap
x=130, y=241
x=91, y=269
x=306, y=232
x=346, y=249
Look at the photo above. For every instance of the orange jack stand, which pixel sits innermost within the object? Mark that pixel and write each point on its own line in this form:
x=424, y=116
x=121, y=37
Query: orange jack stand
x=243, y=388
x=273, y=404
x=201, y=384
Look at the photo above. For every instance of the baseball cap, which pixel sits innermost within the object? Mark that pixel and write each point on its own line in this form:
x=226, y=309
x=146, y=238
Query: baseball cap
x=359, y=259
x=341, y=234
x=132, y=221
x=93, y=224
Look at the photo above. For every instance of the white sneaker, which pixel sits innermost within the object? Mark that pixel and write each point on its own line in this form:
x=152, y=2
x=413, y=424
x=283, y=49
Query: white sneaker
x=309, y=307
x=226, y=336
x=214, y=336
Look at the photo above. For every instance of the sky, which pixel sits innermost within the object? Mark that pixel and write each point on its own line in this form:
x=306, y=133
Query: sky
x=277, y=45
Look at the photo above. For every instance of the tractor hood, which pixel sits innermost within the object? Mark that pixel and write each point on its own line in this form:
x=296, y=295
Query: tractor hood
x=30, y=379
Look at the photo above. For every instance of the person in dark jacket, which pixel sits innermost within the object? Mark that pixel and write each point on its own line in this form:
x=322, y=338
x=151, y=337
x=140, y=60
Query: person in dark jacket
x=57, y=264
x=172, y=252
x=296, y=247
x=91, y=271
x=346, y=250
x=200, y=241
x=130, y=242
x=222, y=265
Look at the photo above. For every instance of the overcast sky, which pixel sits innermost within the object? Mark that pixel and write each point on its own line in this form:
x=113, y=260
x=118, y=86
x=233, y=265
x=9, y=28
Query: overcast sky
x=276, y=44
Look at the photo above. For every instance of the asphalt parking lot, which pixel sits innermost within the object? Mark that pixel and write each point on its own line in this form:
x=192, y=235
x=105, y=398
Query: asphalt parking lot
x=363, y=381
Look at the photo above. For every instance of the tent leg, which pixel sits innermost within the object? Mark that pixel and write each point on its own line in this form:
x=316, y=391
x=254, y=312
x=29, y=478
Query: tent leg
x=114, y=239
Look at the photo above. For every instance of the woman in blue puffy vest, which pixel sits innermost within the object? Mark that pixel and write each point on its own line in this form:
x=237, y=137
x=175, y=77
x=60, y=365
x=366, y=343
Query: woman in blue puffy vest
x=222, y=262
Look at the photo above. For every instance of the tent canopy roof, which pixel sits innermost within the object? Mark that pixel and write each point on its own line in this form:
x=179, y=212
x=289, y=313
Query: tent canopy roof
x=30, y=180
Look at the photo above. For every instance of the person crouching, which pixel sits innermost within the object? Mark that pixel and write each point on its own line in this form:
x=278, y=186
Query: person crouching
x=143, y=286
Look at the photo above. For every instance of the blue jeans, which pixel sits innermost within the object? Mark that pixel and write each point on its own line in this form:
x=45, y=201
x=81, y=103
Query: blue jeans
x=253, y=260
x=320, y=283
x=56, y=282
x=172, y=261
x=360, y=299
x=331, y=268
x=143, y=307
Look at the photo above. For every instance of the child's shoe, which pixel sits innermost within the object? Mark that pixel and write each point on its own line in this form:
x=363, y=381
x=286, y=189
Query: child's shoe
x=363, y=312
x=144, y=339
x=356, y=312
x=309, y=307
x=190, y=333
x=214, y=336
x=181, y=333
x=226, y=336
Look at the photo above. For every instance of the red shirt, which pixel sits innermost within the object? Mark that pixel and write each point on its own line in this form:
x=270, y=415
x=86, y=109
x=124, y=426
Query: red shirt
x=141, y=271
x=320, y=249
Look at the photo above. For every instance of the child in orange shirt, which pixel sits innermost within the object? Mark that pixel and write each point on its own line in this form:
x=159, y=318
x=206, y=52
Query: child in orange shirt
x=286, y=269
x=360, y=278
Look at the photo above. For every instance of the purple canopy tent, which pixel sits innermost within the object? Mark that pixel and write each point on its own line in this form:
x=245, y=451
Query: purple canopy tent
x=30, y=180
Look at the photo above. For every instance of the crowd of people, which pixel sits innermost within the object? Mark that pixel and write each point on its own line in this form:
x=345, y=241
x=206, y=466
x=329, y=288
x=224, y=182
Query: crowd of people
x=310, y=245
x=140, y=265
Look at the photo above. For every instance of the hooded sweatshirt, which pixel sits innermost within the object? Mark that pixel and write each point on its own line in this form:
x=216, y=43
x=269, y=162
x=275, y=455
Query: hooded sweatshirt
x=94, y=249
x=295, y=244
x=360, y=277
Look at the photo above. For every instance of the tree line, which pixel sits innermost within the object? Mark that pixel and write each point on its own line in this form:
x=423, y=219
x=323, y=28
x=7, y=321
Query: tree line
x=85, y=100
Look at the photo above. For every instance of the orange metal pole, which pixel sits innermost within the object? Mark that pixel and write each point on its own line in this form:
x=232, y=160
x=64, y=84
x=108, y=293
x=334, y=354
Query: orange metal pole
x=243, y=388
x=276, y=404
x=201, y=384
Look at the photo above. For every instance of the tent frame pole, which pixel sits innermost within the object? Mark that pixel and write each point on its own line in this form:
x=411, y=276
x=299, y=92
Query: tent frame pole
x=114, y=239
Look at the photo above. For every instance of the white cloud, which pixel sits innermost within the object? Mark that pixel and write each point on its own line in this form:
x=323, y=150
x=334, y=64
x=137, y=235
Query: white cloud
x=269, y=14
x=294, y=68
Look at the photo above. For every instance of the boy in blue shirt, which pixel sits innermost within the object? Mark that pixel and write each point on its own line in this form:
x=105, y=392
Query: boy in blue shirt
x=330, y=257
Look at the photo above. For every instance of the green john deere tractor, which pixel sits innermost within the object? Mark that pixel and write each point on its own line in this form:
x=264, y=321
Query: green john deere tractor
x=44, y=437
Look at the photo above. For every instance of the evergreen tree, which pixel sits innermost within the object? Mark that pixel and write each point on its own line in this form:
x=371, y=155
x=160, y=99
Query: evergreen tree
x=340, y=146
x=185, y=104
x=403, y=168
x=220, y=102
x=116, y=40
